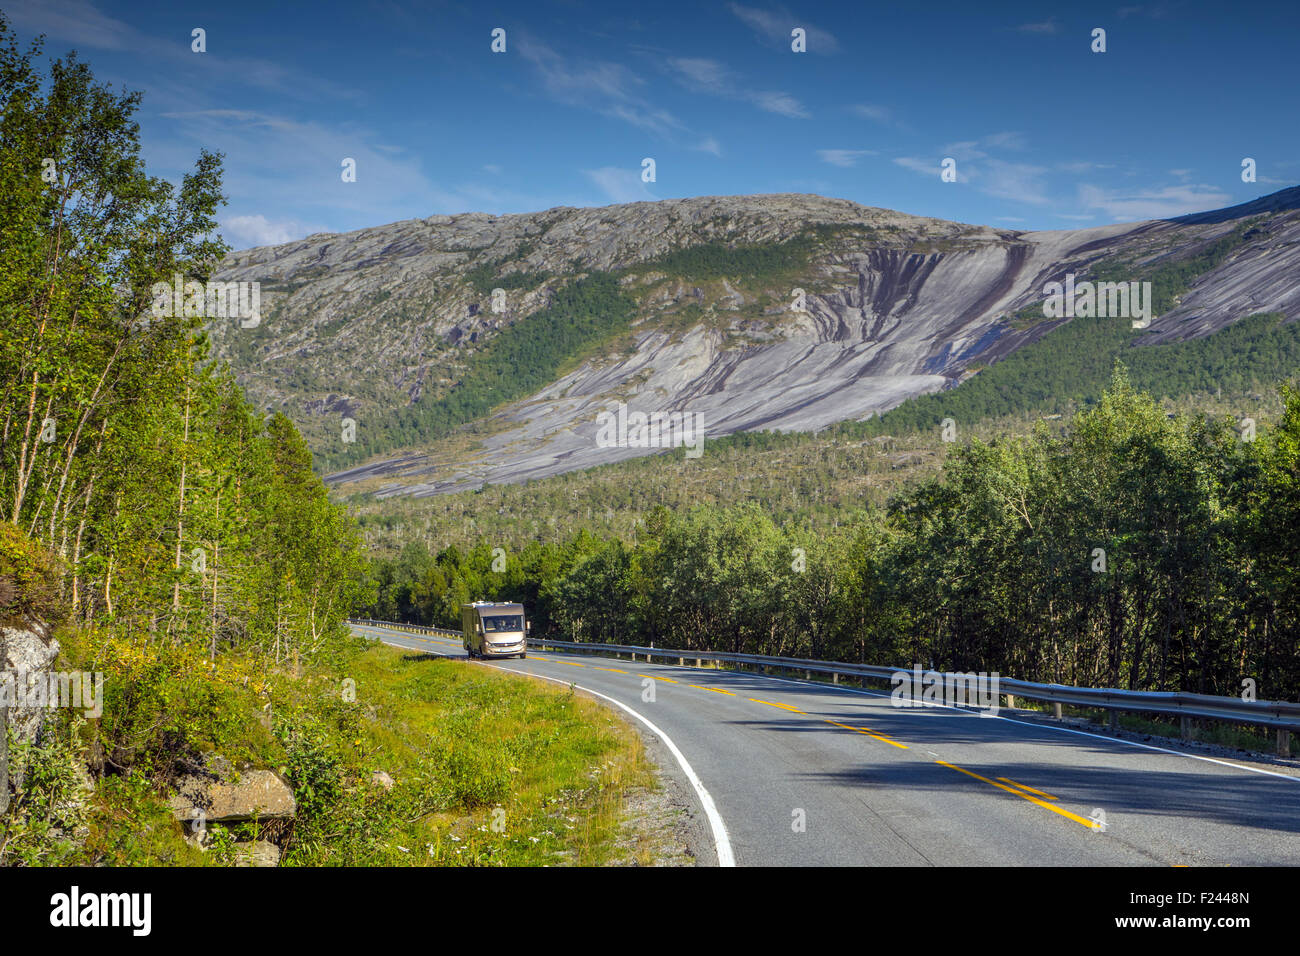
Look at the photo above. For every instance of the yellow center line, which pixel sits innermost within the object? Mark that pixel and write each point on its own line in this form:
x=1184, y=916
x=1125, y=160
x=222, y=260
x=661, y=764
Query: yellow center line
x=1082, y=821
x=653, y=677
x=612, y=670
x=769, y=703
x=868, y=732
x=1045, y=796
x=716, y=690
x=573, y=663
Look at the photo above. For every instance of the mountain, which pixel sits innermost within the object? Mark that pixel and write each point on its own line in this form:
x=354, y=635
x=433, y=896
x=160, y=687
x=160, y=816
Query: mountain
x=685, y=305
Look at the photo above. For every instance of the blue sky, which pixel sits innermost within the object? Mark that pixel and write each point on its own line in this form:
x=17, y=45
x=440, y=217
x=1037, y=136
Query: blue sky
x=1046, y=133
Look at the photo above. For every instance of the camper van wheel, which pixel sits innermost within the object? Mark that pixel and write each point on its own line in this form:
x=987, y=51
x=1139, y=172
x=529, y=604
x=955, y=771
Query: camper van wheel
x=522, y=656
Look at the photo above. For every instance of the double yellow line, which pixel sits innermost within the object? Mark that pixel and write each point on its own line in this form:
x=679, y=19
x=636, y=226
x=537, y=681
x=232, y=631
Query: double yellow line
x=1025, y=793
x=1006, y=784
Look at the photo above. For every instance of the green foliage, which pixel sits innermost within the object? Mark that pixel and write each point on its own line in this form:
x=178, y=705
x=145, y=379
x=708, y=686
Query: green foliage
x=50, y=804
x=725, y=260
x=29, y=579
x=310, y=763
x=486, y=276
x=185, y=539
x=517, y=361
x=1071, y=365
x=1170, y=279
x=989, y=564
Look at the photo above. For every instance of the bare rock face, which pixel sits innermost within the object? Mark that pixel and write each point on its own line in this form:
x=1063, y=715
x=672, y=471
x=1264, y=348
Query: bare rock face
x=259, y=794
x=29, y=651
x=896, y=306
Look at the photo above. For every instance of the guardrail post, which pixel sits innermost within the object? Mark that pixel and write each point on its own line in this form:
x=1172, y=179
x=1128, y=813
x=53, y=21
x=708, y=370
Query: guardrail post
x=681, y=662
x=807, y=674
x=1011, y=701
x=1114, y=721
x=697, y=662
x=835, y=678
x=1283, y=742
x=1056, y=710
x=1185, y=727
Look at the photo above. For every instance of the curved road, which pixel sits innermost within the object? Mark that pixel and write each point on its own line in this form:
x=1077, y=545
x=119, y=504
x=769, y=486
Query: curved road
x=876, y=785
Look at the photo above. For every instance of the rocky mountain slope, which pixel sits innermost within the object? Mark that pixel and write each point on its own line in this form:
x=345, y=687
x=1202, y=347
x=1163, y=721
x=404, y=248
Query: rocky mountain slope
x=367, y=324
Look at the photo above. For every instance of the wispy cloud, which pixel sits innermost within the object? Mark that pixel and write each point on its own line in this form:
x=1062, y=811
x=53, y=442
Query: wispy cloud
x=1045, y=26
x=775, y=26
x=844, y=157
x=256, y=230
x=82, y=24
x=1162, y=203
x=607, y=88
x=709, y=76
x=880, y=114
x=619, y=184
x=991, y=175
x=74, y=21
x=709, y=145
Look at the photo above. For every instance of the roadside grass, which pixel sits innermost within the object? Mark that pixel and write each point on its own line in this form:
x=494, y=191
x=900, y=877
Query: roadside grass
x=488, y=768
x=483, y=768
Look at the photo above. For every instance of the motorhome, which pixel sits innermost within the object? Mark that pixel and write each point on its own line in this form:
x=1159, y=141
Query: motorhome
x=494, y=630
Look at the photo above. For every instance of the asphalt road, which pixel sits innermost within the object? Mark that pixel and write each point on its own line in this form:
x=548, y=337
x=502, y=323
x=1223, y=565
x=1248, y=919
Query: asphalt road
x=806, y=774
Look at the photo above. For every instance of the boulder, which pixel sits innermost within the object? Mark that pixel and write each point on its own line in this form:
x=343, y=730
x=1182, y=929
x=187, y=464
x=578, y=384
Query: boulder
x=258, y=853
x=28, y=650
x=257, y=793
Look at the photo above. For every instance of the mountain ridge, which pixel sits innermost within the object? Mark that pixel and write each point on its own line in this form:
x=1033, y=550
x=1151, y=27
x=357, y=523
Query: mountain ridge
x=896, y=305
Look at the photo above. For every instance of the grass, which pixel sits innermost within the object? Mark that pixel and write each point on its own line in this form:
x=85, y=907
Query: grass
x=486, y=769
x=523, y=773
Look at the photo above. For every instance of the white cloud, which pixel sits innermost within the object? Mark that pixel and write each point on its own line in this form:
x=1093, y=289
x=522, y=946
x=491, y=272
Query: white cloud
x=1163, y=203
x=74, y=21
x=880, y=114
x=782, y=103
x=619, y=184
x=1045, y=26
x=927, y=167
x=775, y=27
x=709, y=145
x=243, y=232
x=1083, y=166
x=844, y=157
x=607, y=88
x=709, y=76
x=1022, y=182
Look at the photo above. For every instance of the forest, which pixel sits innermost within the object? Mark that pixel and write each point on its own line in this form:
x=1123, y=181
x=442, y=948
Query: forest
x=164, y=530
x=1129, y=549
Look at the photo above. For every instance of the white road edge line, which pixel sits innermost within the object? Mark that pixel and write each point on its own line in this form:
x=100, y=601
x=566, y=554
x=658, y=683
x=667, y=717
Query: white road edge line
x=721, y=842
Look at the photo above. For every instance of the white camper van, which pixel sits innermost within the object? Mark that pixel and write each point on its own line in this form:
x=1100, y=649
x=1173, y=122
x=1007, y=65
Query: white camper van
x=494, y=630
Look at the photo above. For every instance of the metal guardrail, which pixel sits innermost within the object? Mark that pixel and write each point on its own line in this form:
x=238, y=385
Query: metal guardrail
x=1283, y=716
x=419, y=628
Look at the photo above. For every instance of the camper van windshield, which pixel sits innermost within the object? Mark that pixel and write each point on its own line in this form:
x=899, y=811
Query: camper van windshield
x=504, y=622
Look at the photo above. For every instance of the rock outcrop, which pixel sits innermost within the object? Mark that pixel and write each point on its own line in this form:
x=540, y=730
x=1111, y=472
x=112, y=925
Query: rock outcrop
x=254, y=794
x=897, y=305
x=26, y=652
